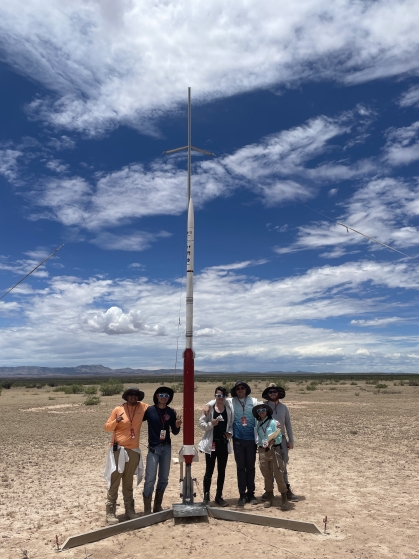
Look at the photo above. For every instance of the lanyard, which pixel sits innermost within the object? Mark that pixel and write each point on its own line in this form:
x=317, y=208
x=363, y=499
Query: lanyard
x=162, y=417
x=261, y=426
x=131, y=417
x=243, y=405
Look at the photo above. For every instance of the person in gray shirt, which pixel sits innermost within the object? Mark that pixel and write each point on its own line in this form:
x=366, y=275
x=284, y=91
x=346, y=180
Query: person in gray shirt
x=273, y=395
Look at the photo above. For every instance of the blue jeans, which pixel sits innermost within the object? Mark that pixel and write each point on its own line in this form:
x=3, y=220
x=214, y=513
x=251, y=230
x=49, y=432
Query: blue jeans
x=160, y=459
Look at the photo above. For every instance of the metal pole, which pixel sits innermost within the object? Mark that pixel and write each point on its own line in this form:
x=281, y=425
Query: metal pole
x=189, y=143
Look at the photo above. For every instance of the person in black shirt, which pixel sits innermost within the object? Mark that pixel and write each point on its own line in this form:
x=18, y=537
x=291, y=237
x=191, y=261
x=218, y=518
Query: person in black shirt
x=161, y=420
x=218, y=426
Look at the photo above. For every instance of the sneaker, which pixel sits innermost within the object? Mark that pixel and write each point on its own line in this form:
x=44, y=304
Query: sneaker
x=220, y=502
x=241, y=502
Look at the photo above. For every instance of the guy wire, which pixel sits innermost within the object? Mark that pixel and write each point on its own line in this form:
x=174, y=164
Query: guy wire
x=348, y=228
x=65, y=242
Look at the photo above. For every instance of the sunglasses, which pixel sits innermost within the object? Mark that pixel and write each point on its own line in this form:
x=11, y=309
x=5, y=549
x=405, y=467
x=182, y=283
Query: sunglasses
x=220, y=395
x=163, y=395
x=261, y=410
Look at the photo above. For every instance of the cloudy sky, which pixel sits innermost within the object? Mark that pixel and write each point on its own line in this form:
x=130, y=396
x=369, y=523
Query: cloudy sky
x=312, y=110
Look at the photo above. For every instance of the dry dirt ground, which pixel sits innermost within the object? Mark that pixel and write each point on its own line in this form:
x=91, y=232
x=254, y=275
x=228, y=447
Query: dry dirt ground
x=356, y=460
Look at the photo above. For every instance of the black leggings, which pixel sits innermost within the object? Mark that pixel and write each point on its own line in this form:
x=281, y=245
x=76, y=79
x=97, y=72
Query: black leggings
x=221, y=455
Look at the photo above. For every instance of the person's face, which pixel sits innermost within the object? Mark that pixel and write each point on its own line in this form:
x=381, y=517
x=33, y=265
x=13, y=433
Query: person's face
x=219, y=396
x=273, y=394
x=262, y=413
x=132, y=398
x=162, y=398
x=241, y=391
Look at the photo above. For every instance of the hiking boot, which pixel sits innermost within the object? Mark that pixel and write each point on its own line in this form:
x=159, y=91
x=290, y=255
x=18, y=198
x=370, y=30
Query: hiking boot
x=252, y=500
x=220, y=502
x=110, y=514
x=158, y=499
x=269, y=499
x=147, y=504
x=206, y=499
x=284, y=501
x=129, y=510
x=242, y=501
x=290, y=495
x=265, y=496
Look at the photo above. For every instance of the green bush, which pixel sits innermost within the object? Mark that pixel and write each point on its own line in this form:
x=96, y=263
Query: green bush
x=177, y=387
x=58, y=389
x=332, y=388
x=380, y=385
x=92, y=401
x=90, y=390
x=52, y=384
x=0, y=390
x=111, y=388
x=412, y=382
x=354, y=383
x=311, y=386
x=7, y=384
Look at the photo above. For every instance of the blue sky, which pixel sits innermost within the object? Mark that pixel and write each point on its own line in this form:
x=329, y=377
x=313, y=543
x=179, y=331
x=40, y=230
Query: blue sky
x=312, y=104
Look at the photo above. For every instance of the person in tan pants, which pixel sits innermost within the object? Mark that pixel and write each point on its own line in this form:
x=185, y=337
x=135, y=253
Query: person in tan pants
x=125, y=422
x=270, y=460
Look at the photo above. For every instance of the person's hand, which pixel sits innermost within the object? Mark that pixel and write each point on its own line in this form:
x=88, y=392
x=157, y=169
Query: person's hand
x=278, y=425
x=290, y=445
x=178, y=420
x=206, y=410
x=228, y=435
x=119, y=417
x=271, y=443
x=215, y=421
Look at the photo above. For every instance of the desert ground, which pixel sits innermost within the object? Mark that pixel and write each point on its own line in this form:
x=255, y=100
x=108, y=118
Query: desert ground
x=356, y=460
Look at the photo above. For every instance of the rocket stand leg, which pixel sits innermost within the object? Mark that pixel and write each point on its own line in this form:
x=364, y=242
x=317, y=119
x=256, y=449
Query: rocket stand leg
x=188, y=486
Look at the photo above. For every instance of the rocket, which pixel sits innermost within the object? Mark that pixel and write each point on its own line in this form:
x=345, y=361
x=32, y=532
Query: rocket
x=189, y=450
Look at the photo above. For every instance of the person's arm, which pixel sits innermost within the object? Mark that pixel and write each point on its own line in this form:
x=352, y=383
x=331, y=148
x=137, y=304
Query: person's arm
x=113, y=419
x=288, y=427
x=175, y=422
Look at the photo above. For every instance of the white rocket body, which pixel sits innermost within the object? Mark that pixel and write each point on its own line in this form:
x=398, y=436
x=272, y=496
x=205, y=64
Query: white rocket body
x=189, y=276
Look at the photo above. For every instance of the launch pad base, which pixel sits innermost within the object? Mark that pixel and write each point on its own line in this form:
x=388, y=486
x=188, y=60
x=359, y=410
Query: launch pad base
x=183, y=511
x=195, y=509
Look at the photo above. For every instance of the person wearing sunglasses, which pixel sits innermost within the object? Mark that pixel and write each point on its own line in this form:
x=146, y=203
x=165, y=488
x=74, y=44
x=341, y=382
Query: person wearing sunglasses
x=218, y=427
x=270, y=459
x=273, y=395
x=161, y=420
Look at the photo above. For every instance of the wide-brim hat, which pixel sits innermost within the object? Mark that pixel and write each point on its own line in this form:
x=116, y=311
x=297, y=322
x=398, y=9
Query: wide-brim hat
x=163, y=390
x=238, y=383
x=133, y=390
x=281, y=391
x=255, y=409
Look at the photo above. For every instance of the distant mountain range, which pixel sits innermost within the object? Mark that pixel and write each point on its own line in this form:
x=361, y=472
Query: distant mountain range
x=100, y=370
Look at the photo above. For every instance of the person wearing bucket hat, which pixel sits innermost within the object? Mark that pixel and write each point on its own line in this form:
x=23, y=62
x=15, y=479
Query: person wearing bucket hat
x=124, y=459
x=161, y=420
x=272, y=396
x=244, y=438
x=270, y=460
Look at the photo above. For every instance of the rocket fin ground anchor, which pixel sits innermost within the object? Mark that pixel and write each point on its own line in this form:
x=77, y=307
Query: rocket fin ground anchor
x=113, y=530
x=262, y=520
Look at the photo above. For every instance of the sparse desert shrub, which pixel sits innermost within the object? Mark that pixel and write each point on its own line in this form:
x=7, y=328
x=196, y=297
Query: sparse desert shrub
x=356, y=393
x=7, y=384
x=353, y=383
x=40, y=385
x=380, y=385
x=311, y=386
x=92, y=401
x=73, y=389
x=413, y=382
x=90, y=390
x=178, y=387
x=370, y=382
x=342, y=382
x=51, y=398
x=353, y=432
x=0, y=390
x=332, y=388
x=111, y=388
x=59, y=389
x=52, y=384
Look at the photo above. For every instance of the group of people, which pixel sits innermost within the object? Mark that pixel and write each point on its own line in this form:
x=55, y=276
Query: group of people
x=252, y=428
